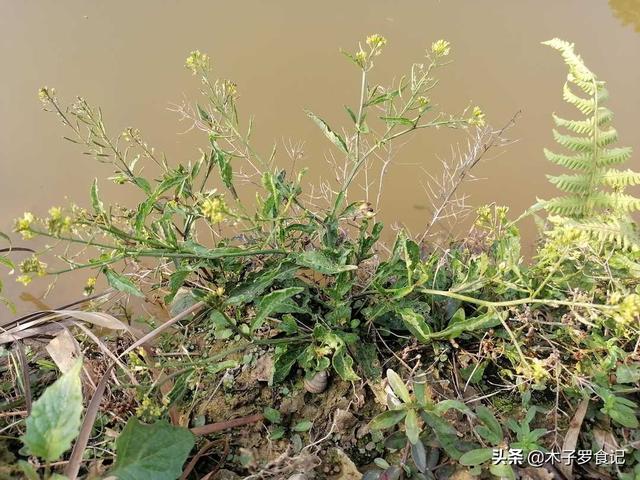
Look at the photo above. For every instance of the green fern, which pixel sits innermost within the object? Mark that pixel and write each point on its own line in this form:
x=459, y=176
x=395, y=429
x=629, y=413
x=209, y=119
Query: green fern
x=595, y=200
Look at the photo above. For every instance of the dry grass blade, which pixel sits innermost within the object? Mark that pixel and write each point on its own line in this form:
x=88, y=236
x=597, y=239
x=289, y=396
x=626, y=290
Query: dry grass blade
x=571, y=437
x=73, y=467
x=165, y=326
x=24, y=375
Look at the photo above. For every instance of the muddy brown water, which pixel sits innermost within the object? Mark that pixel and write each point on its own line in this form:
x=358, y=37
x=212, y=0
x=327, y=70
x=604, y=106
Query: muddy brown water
x=128, y=57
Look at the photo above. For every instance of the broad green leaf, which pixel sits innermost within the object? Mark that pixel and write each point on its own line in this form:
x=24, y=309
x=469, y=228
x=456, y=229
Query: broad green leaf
x=55, y=417
x=411, y=426
x=336, y=139
x=273, y=415
x=446, y=405
x=503, y=471
x=476, y=457
x=387, y=419
x=343, y=365
x=628, y=374
x=283, y=360
x=491, y=430
x=416, y=324
x=419, y=455
x=398, y=386
x=151, y=452
x=176, y=280
x=321, y=262
x=257, y=283
x=303, y=426
x=271, y=302
x=121, y=283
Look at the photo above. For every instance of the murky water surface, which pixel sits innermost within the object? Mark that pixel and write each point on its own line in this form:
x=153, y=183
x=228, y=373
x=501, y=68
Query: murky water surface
x=128, y=57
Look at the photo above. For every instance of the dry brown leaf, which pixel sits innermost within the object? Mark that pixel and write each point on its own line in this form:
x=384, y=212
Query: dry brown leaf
x=63, y=350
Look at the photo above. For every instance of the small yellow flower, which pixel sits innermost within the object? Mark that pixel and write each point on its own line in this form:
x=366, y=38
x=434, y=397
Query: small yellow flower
x=24, y=279
x=23, y=225
x=441, y=48
x=214, y=209
x=376, y=41
x=89, y=286
x=197, y=61
x=477, y=117
x=45, y=94
x=361, y=58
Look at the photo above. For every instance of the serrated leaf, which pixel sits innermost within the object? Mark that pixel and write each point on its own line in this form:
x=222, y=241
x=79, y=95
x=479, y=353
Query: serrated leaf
x=271, y=302
x=416, y=324
x=387, y=419
x=121, y=283
x=151, y=452
x=336, y=139
x=55, y=417
x=343, y=365
x=321, y=263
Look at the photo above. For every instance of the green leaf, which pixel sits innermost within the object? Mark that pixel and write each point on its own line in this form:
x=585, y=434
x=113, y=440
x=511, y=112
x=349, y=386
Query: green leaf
x=628, y=374
x=398, y=121
x=273, y=415
x=491, y=430
x=343, y=365
x=55, y=417
x=257, y=283
x=419, y=456
x=411, y=426
x=336, y=139
x=121, y=283
x=97, y=205
x=476, y=457
x=483, y=322
x=398, y=386
x=284, y=358
x=387, y=419
x=416, y=324
x=176, y=280
x=271, y=302
x=303, y=426
x=503, y=471
x=151, y=452
x=446, y=405
x=321, y=262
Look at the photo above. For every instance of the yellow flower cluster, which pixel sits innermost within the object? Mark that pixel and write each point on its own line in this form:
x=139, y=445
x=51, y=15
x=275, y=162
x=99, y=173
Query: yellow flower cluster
x=214, y=209
x=441, y=48
x=23, y=225
x=376, y=41
x=45, y=94
x=56, y=223
x=197, y=62
x=29, y=267
x=477, y=117
x=90, y=286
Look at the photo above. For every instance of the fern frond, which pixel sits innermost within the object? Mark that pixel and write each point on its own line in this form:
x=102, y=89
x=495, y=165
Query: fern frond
x=620, y=178
x=586, y=144
x=612, y=156
x=586, y=105
x=621, y=232
x=597, y=189
x=571, y=183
